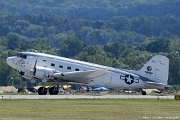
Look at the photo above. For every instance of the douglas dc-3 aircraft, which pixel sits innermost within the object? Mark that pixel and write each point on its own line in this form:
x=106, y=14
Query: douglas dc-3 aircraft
x=51, y=68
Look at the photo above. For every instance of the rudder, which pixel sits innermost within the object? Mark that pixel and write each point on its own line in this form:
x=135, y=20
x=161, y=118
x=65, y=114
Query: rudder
x=156, y=69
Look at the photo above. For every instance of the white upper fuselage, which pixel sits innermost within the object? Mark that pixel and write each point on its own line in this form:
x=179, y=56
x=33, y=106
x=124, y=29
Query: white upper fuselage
x=115, y=78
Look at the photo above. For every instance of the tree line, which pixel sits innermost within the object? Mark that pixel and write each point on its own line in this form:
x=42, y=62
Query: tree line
x=119, y=42
x=114, y=54
x=117, y=33
x=120, y=29
x=91, y=9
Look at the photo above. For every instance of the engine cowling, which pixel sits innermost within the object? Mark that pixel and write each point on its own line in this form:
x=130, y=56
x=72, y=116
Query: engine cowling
x=26, y=75
x=43, y=73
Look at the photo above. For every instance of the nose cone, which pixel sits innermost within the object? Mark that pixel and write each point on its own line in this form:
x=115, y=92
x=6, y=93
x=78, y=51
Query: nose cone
x=9, y=61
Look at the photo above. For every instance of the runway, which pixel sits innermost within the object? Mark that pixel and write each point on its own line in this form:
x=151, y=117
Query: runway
x=84, y=97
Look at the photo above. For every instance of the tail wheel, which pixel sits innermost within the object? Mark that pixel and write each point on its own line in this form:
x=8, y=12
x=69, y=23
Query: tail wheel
x=42, y=91
x=53, y=90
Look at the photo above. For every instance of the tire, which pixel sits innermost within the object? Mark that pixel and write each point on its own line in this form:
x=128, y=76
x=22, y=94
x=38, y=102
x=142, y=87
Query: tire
x=143, y=92
x=53, y=91
x=42, y=91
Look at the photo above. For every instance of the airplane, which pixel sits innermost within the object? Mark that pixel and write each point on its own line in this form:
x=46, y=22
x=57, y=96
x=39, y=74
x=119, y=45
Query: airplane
x=50, y=68
x=100, y=89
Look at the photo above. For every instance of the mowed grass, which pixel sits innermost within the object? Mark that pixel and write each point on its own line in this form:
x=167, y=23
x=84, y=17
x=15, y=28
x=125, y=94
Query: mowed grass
x=96, y=109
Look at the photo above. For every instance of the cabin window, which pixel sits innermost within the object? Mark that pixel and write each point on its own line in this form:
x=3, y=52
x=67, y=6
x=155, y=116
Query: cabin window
x=52, y=64
x=24, y=56
x=44, y=60
x=21, y=55
x=76, y=69
x=69, y=68
x=60, y=66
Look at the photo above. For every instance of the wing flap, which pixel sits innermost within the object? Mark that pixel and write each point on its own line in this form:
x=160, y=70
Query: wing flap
x=80, y=76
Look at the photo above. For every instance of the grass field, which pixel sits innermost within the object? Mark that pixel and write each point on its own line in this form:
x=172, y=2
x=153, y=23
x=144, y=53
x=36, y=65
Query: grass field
x=95, y=109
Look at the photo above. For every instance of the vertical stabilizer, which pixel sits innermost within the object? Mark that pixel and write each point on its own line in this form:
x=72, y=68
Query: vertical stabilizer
x=156, y=69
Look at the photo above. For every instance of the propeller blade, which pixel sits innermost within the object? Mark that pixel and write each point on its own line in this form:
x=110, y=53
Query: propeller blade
x=34, y=69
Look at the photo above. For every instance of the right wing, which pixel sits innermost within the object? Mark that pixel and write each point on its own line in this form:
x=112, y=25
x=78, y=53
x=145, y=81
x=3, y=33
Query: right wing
x=80, y=76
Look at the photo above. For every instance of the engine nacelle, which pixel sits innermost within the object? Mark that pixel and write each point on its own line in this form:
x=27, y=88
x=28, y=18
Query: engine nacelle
x=26, y=75
x=43, y=73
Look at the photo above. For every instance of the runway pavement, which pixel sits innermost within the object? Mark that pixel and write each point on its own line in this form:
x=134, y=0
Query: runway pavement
x=84, y=97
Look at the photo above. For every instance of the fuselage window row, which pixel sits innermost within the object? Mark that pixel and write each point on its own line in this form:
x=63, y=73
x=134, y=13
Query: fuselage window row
x=76, y=69
x=52, y=64
x=69, y=68
x=60, y=66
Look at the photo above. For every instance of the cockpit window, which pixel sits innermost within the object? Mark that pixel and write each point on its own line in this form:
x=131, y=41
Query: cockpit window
x=21, y=55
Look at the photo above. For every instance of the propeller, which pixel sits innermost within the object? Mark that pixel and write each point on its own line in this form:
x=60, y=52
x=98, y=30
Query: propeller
x=34, y=69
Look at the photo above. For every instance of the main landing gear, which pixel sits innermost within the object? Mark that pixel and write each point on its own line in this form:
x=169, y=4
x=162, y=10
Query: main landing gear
x=52, y=90
x=143, y=92
x=42, y=91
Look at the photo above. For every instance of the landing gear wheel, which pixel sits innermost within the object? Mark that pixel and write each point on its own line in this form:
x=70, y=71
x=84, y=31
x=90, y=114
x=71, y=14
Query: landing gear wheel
x=143, y=92
x=42, y=91
x=53, y=90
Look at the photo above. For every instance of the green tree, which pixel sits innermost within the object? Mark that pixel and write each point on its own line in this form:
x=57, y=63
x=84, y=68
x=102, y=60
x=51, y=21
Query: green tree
x=34, y=31
x=13, y=41
x=175, y=43
x=6, y=72
x=41, y=46
x=95, y=54
x=174, y=69
x=3, y=44
x=21, y=26
x=115, y=48
x=70, y=47
x=159, y=45
x=119, y=23
x=136, y=59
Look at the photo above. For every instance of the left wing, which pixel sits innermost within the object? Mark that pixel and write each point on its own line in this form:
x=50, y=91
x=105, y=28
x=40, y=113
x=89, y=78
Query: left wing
x=80, y=76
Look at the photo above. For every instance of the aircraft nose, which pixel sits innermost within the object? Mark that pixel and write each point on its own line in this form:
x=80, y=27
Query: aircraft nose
x=9, y=61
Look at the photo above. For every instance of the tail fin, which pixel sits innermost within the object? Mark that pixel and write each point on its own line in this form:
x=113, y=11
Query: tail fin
x=156, y=69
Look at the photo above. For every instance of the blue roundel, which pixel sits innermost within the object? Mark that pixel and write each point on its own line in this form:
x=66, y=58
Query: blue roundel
x=129, y=79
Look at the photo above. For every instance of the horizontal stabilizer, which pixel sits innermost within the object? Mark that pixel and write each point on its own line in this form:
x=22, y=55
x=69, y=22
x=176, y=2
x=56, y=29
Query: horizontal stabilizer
x=156, y=85
x=148, y=91
x=80, y=76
